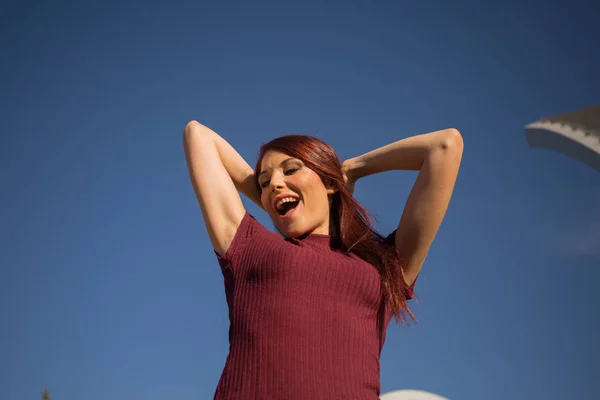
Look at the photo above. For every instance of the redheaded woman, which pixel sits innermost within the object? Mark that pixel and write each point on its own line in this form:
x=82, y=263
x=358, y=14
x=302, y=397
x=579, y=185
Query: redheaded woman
x=309, y=306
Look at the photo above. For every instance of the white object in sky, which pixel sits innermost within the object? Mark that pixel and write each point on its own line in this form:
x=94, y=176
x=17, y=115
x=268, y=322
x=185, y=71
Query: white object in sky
x=410, y=395
x=575, y=134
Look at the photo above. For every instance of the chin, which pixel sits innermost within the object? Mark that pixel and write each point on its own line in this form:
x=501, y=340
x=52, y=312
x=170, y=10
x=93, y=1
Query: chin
x=290, y=233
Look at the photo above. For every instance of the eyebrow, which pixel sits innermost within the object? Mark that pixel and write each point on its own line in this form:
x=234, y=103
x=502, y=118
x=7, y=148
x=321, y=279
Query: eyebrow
x=283, y=162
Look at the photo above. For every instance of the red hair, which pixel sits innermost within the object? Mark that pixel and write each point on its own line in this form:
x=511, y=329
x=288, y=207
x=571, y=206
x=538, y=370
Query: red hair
x=350, y=220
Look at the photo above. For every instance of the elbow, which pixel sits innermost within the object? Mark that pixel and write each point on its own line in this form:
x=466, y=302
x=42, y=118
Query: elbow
x=193, y=124
x=451, y=141
x=193, y=129
x=446, y=148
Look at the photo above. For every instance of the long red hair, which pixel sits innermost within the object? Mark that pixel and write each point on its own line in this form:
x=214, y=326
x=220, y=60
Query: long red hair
x=351, y=221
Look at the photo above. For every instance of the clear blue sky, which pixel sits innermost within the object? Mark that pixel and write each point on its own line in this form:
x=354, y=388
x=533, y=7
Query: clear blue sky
x=109, y=288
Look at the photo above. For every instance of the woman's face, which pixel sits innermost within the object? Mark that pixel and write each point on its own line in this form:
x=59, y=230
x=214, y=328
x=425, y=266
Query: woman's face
x=293, y=195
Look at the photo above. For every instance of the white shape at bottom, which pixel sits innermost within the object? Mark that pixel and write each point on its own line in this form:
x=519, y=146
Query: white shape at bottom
x=410, y=395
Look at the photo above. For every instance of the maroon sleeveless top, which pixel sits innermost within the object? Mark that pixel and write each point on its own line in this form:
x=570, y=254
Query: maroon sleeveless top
x=307, y=322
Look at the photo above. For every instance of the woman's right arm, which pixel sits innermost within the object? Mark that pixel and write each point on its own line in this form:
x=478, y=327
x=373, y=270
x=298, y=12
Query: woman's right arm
x=217, y=172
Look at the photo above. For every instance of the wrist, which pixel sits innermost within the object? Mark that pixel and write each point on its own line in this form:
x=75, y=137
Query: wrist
x=353, y=168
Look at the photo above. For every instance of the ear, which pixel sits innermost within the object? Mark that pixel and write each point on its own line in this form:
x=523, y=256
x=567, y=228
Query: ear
x=331, y=188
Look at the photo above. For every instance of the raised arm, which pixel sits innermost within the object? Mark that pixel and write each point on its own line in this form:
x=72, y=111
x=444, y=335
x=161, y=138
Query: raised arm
x=437, y=156
x=217, y=172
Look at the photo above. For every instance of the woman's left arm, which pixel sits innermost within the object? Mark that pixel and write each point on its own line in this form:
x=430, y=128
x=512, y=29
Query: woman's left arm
x=437, y=157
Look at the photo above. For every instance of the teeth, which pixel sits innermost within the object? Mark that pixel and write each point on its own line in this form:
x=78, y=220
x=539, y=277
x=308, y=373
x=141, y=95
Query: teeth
x=285, y=200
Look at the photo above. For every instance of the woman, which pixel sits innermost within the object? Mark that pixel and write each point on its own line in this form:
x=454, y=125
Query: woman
x=309, y=307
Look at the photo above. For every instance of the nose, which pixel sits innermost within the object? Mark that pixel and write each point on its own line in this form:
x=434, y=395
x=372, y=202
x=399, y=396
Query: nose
x=277, y=182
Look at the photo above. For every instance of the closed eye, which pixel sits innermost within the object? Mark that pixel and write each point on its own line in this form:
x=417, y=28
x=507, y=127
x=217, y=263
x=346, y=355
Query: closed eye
x=287, y=172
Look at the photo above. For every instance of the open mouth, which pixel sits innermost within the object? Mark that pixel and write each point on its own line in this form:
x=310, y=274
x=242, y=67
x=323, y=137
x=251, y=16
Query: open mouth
x=286, y=205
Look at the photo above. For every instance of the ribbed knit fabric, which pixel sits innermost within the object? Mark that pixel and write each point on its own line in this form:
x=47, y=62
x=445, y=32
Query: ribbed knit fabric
x=306, y=321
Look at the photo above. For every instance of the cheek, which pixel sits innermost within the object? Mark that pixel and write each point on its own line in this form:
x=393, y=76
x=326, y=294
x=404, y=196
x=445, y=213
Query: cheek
x=264, y=199
x=315, y=191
